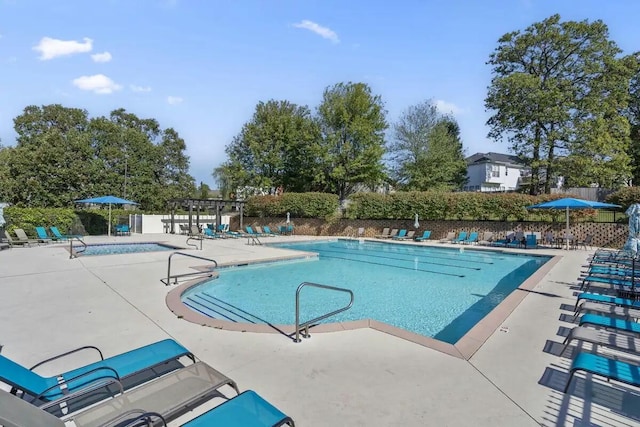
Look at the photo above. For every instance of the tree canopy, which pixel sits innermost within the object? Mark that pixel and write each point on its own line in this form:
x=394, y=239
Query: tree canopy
x=62, y=155
x=278, y=147
x=557, y=95
x=426, y=151
x=353, y=122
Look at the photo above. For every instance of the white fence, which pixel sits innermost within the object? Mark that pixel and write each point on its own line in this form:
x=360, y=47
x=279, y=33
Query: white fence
x=148, y=224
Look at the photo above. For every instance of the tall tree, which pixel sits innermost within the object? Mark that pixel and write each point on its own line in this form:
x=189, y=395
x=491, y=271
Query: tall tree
x=279, y=146
x=353, y=122
x=633, y=114
x=52, y=163
x=426, y=152
x=555, y=88
x=61, y=155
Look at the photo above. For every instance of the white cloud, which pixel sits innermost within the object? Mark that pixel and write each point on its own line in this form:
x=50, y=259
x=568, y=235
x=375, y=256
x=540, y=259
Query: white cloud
x=98, y=83
x=52, y=48
x=101, y=57
x=135, y=88
x=324, y=32
x=174, y=100
x=448, y=107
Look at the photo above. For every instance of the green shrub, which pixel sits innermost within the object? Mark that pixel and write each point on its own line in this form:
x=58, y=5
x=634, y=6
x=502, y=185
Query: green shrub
x=299, y=205
x=625, y=197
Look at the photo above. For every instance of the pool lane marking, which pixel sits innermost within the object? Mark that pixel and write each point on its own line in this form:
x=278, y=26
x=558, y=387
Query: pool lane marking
x=405, y=260
x=436, y=249
x=395, y=266
x=418, y=255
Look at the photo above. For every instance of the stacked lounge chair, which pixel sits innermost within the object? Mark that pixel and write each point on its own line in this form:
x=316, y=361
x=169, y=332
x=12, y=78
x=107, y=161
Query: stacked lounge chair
x=155, y=402
x=607, y=321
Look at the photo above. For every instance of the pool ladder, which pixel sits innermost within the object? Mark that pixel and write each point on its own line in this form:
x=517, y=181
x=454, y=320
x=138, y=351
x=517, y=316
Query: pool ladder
x=196, y=238
x=73, y=253
x=303, y=328
x=175, y=277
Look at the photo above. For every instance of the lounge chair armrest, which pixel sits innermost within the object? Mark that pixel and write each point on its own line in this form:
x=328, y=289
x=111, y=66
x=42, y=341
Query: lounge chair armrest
x=96, y=384
x=141, y=419
x=115, y=378
x=66, y=354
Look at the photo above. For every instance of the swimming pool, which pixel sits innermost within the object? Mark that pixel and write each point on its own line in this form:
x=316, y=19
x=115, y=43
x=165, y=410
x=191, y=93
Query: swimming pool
x=122, y=248
x=432, y=291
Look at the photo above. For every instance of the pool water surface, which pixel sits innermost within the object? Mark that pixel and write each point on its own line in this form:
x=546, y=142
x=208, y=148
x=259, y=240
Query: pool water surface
x=432, y=291
x=122, y=248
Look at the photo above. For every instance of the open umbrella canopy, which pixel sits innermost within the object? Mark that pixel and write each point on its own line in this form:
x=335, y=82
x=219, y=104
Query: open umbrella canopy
x=107, y=200
x=104, y=200
x=571, y=203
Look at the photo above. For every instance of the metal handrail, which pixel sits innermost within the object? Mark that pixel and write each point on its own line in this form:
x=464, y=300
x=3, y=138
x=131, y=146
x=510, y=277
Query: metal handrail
x=72, y=253
x=169, y=276
x=192, y=237
x=306, y=324
x=252, y=239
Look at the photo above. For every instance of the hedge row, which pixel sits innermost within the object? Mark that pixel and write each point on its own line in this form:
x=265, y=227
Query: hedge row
x=431, y=205
x=90, y=221
x=299, y=205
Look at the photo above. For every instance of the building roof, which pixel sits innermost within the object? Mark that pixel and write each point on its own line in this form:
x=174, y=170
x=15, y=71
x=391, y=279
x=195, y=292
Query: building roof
x=507, y=159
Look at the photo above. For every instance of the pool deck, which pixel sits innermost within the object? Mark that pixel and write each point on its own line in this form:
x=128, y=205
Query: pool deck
x=358, y=377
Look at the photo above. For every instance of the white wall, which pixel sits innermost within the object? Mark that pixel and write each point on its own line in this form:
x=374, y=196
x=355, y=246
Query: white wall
x=147, y=224
x=479, y=174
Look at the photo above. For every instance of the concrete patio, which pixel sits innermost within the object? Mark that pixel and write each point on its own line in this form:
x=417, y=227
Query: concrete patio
x=50, y=303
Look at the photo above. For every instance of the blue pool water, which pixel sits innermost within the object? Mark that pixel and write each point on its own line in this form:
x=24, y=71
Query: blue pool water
x=436, y=292
x=122, y=248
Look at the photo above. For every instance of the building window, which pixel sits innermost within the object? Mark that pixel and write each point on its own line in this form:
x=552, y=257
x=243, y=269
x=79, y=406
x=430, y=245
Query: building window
x=495, y=171
x=506, y=171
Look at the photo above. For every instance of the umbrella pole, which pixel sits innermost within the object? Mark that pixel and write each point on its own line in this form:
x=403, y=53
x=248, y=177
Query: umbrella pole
x=109, y=224
x=566, y=233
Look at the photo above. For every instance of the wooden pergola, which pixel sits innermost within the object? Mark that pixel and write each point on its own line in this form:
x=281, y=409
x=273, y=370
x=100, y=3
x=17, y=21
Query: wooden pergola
x=196, y=206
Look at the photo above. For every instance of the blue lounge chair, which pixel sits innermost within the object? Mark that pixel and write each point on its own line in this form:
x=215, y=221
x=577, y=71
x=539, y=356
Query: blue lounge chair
x=623, y=325
x=608, y=299
x=587, y=280
x=401, y=234
x=42, y=235
x=117, y=368
x=210, y=234
x=604, y=367
x=531, y=242
x=461, y=237
x=268, y=231
x=59, y=236
x=473, y=238
x=123, y=229
x=248, y=409
x=425, y=236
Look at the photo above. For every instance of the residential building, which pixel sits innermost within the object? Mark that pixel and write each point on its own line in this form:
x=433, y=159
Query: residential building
x=490, y=172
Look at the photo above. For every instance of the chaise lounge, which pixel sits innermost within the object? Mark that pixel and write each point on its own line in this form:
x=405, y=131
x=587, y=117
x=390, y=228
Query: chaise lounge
x=604, y=367
x=92, y=376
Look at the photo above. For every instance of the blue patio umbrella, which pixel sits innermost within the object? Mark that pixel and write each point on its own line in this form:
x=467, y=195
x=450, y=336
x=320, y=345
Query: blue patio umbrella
x=107, y=200
x=570, y=203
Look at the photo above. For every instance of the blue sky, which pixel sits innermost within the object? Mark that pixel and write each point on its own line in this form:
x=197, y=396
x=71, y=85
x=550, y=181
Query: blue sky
x=200, y=66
